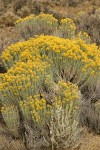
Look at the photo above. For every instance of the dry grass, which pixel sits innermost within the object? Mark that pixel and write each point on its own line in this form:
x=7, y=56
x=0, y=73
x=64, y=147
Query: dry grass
x=73, y=11
x=24, y=7
x=90, y=142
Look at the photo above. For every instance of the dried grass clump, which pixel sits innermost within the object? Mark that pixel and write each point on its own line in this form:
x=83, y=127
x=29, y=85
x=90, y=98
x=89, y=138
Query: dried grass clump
x=67, y=2
x=8, y=18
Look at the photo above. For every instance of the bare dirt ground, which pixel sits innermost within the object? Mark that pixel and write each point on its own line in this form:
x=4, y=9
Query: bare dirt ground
x=90, y=142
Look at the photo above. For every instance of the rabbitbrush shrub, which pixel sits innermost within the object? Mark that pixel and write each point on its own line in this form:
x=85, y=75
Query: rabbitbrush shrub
x=37, y=91
x=36, y=25
x=41, y=90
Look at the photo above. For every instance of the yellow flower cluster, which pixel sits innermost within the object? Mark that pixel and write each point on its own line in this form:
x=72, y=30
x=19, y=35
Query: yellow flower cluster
x=91, y=56
x=7, y=109
x=84, y=36
x=67, y=92
x=67, y=28
x=43, y=17
x=35, y=108
x=47, y=17
x=25, y=19
x=64, y=49
x=68, y=22
x=12, y=53
x=22, y=80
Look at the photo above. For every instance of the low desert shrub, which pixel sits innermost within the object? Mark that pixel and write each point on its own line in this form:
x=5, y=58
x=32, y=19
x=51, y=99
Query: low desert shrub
x=36, y=25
